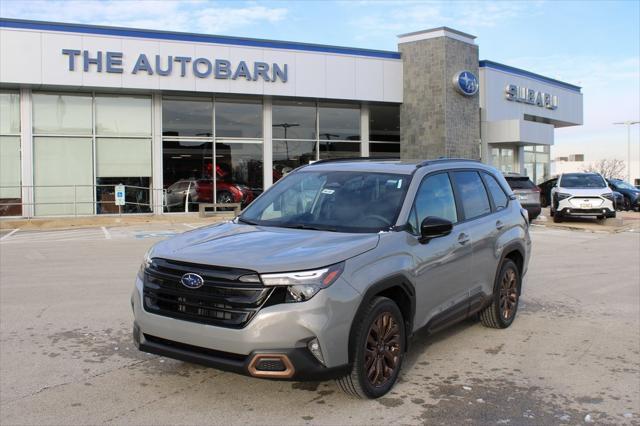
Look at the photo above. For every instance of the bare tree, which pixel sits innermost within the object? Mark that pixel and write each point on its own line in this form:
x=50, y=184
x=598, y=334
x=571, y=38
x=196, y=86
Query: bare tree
x=609, y=168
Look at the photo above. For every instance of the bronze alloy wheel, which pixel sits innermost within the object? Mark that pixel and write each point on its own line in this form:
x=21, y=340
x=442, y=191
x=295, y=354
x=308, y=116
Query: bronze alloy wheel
x=382, y=349
x=508, y=294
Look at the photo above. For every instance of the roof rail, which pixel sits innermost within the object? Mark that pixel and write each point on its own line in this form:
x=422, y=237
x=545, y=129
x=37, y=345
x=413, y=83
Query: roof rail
x=444, y=160
x=335, y=160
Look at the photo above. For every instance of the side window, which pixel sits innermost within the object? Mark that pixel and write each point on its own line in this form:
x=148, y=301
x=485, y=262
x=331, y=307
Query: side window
x=475, y=201
x=500, y=199
x=434, y=198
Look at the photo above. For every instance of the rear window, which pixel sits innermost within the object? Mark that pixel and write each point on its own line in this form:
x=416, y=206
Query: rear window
x=519, y=182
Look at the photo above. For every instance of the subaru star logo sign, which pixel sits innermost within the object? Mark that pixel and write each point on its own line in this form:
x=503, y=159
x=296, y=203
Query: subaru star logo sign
x=466, y=83
x=191, y=280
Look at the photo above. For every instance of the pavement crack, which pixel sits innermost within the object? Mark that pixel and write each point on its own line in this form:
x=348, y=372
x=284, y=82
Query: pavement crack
x=50, y=387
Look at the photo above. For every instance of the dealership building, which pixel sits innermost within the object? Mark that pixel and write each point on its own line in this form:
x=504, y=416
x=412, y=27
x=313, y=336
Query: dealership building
x=179, y=117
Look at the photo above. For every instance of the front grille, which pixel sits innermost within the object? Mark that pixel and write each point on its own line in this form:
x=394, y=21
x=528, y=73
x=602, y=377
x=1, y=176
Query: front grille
x=222, y=300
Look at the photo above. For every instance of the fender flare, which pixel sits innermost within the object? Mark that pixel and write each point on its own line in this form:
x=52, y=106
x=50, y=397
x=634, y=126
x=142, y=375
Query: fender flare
x=397, y=280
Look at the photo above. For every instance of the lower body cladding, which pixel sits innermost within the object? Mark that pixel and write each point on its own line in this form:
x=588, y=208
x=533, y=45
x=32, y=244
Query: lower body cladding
x=278, y=343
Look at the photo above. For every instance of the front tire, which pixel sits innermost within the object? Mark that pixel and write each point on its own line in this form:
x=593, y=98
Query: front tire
x=506, y=297
x=378, y=348
x=557, y=218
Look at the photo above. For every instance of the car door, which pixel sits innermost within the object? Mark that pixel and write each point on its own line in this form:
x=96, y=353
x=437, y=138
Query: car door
x=484, y=228
x=442, y=265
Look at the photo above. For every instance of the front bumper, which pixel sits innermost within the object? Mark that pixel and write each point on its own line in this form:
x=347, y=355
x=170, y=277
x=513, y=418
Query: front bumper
x=596, y=206
x=283, y=329
x=301, y=365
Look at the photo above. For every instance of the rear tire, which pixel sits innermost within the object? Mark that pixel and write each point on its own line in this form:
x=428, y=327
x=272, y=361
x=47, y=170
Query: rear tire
x=378, y=348
x=506, y=297
x=557, y=218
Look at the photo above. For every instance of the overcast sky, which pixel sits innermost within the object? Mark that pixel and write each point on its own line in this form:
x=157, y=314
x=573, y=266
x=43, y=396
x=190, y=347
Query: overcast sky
x=595, y=45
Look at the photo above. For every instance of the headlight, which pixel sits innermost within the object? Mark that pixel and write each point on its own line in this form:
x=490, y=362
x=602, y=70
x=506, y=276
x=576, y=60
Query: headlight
x=608, y=196
x=146, y=263
x=562, y=196
x=303, y=285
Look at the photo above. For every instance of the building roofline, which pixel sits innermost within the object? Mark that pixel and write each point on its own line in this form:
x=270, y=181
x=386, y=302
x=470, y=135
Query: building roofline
x=192, y=37
x=432, y=30
x=517, y=71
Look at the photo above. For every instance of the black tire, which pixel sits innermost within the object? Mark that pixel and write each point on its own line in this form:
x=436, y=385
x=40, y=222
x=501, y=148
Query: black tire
x=557, y=218
x=358, y=383
x=601, y=217
x=551, y=213
x=504, y=306
x=627, y=204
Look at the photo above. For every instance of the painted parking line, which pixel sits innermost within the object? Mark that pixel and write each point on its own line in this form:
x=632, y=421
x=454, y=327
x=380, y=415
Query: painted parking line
x=188, y=225
x=5, y=237
x=106, y=233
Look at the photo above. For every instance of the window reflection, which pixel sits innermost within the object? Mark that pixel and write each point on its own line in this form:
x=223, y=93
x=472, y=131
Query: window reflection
x=187, y=117
x=288, y=155
x=339, y=122
x=329, y=150
x=294, y=120
x=238, y=118
x=384, y=123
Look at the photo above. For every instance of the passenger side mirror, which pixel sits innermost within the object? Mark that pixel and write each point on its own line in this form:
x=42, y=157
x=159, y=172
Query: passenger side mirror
x=434, y=227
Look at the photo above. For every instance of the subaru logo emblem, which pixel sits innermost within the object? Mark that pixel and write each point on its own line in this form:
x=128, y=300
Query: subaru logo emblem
x=466, y=83
x=191, y=280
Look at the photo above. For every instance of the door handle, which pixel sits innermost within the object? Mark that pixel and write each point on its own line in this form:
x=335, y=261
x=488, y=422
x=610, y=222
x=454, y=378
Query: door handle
x=499, y=224
x=463, y=239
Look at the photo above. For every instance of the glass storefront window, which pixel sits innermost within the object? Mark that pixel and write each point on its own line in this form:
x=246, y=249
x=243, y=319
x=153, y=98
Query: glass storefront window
x=339, y=122
x=294, y=120
x=288, y=155
x=332, y=149
x=187, y=117
x=187, y=174
x=123, y=115
x=384, y=123
x=385, y=150
x=121, y=157
x=238, y=119
x=62, y=114
x=238, y=166
x=9, y=113
x=10, y=157
x=137, y=195
x=63, y=175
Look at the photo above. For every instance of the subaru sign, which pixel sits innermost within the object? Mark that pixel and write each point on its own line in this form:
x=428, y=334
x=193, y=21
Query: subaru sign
x=466, y=83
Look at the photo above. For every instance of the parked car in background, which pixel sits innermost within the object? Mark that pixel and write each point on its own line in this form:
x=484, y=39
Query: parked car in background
x=201, y=191
x=545, y=191
x=527, y=192
x=618, y=202
x=581, y=194
x=629, y=192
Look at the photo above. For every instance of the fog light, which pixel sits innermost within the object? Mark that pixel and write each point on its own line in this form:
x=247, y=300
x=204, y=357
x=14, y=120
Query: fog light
x=604, y=210
x=314, y=348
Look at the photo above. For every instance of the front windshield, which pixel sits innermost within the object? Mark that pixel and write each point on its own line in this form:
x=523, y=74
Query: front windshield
x=331, y=201
x=623, y=185
x=581, y=180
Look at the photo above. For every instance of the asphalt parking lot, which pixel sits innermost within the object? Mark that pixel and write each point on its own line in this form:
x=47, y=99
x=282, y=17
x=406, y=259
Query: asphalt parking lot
x=66, y=356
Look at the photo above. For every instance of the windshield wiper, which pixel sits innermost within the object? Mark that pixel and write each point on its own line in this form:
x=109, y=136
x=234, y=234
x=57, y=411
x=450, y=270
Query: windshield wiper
x=248, y=222
x=304, y=226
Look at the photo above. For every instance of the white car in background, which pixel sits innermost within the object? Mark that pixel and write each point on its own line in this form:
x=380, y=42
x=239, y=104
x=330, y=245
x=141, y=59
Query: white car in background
x=581, y=194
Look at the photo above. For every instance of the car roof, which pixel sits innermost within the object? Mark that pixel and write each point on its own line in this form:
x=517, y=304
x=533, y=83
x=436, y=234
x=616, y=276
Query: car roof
x=406, y=167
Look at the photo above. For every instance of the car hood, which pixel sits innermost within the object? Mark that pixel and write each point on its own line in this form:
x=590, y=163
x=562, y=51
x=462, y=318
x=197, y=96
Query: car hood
x=263, y=249
x=585, y=192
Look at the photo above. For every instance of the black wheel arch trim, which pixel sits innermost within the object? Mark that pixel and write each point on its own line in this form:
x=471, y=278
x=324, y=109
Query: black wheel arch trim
x=396, y=280
x=514, y=246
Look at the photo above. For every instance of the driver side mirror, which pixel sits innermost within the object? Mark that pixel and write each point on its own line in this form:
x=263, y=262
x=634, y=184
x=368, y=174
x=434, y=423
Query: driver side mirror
x=434, y=227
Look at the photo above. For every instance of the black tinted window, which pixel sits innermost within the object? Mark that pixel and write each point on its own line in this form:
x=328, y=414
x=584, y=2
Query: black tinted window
x=519, y=182
x=434, y=198
x=497, y=193
x=475, y=201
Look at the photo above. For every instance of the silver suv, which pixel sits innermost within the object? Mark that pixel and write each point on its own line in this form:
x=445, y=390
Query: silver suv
x=330, y=272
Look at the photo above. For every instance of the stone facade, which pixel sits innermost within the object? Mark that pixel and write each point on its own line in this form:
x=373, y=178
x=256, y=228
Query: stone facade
x=436, y=120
